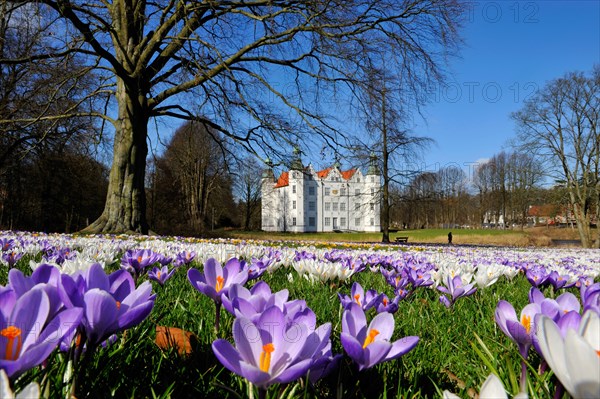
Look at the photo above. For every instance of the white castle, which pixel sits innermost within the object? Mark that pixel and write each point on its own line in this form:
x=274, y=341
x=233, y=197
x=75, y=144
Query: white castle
x=305, y=200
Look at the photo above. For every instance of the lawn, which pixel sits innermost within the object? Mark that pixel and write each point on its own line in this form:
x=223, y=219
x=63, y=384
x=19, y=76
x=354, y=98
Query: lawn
x=538, y=236
x=459, y=346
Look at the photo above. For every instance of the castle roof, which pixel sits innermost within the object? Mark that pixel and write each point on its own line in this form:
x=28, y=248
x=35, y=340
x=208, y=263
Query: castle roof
x=284, y=180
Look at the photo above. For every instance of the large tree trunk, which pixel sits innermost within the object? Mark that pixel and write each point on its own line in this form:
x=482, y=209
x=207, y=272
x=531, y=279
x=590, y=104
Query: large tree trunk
x=125, y=209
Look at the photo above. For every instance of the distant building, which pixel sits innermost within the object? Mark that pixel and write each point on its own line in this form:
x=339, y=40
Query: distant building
x=305, y=200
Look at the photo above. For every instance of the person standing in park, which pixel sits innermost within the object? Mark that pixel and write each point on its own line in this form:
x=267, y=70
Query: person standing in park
x=449, y=238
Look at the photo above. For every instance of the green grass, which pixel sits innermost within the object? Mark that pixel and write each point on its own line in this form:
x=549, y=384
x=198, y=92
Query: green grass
x=448, y=356
x=460, y=236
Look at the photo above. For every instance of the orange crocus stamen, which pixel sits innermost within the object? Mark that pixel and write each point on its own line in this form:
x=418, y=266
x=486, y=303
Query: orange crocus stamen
x=370, y=337
x=265, y=357
x=385, y=301
x=139, y=259
x=118, y=305
x=526, y=321
x=12, y=332
x=357, y=298
x=220, y=283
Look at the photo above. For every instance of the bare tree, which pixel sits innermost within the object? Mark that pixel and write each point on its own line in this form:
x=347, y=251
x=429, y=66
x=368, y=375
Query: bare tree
x=560, y=124
x=247, y=185
x=197, y=169
x=242, y=64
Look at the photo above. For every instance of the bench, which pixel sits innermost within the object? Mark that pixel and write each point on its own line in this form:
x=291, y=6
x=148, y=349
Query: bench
x=401, y=239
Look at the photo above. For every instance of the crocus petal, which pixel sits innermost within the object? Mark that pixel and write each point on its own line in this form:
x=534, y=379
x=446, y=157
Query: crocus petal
x=402, y=346
x=375, y=353
x=553, y=349
x=294, y=371
x=96, y=278
x=384, y=323
x=247, y=340
x=352, y=347
x=101, y=315
x=589, y=329
x=212, y=269
x=492, y=388
x=449, y=395
x=121, y=284
x=354, y=320
x=30, y=314
x=19, y=283
x=568, y=302
x=255, y=375
x=583, y=364
x=227, y=355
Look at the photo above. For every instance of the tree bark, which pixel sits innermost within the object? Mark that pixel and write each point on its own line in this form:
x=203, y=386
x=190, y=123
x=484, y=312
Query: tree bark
x=125, y=208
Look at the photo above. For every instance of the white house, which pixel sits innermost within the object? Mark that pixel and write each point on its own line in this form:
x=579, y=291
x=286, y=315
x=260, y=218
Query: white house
x=305, y=200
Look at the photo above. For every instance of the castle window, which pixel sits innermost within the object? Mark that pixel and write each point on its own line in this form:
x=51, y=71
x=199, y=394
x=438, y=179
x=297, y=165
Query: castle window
x=327, y=190
x=311, y=221
x=357, y=206
x=357, y=222
x=311, y=206
x=342, y=206
x=311, y=190
x=328, y=206
x=343, y=222
x=335, y=206
x=293, y=221
x=327, y=221
x=294, y=189
x=293, y=204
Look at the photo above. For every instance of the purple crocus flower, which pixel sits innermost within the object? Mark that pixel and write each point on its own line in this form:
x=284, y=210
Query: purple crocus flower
x=365, y=300
x=385, y=305
x=136, y=261
x=160, y=275
x=6, y=244
x=520, y=330
x=559, y=281
x=45, y=276
x=257, y=267
x=590, y=297
x=370, y=345
x=28, y=334
x=536, y=276
x=264, y=352
x=184, y=258
x=11, y=258
x=454, y=289
x=250, y=303
x=420, y=278
x=111, y=303
x=216, y=280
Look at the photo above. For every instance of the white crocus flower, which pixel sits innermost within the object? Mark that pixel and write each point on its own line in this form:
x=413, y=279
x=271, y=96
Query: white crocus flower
x=575, y=359
x=491, y=388
x=31, y=391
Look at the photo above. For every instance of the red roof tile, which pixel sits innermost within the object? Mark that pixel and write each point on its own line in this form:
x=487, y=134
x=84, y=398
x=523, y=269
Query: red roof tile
x=347, y=175
x=283, y=180
x=323, y=173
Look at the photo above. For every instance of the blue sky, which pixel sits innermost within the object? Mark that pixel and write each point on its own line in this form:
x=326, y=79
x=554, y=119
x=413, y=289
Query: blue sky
x=511, y=49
